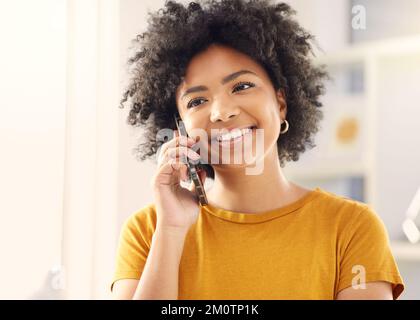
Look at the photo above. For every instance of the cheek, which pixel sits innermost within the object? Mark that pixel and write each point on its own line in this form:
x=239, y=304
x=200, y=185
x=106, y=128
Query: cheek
x=196, y=128
x=269, y=116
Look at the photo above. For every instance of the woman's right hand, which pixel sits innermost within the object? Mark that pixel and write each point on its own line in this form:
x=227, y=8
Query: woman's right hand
x=177, y=207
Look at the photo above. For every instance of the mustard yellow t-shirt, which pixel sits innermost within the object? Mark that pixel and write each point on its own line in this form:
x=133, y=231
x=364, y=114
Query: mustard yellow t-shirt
x=309, y=249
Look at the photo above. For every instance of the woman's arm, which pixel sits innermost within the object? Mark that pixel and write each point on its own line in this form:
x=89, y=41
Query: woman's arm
x=124, y=289
x=159, y=279
x=378, y=290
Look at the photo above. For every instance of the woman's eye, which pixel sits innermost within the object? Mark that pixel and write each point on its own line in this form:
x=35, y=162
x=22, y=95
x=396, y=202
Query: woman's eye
x=242, y=85
x=193, y=104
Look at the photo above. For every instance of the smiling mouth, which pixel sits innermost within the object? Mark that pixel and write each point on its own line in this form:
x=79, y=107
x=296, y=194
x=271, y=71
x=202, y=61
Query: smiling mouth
x=233, y=135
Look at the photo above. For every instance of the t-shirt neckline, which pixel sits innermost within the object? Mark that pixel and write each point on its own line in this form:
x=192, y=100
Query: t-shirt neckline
x=241, y=217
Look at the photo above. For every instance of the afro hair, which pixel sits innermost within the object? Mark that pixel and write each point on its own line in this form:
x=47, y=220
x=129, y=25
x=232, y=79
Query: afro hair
x=263, y=30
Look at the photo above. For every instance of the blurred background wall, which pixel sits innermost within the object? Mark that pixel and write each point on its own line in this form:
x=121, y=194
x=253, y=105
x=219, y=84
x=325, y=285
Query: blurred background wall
x=68, y=175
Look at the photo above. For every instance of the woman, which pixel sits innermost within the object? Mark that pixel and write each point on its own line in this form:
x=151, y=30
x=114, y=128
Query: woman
x=240, y=66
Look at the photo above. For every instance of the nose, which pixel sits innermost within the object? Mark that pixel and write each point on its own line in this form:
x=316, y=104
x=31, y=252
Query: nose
x=223, y=112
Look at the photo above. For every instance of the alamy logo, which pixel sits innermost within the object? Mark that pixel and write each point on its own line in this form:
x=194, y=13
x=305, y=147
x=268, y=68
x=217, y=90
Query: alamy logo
x=358, y=21
x=359, y=280
x=243, y=149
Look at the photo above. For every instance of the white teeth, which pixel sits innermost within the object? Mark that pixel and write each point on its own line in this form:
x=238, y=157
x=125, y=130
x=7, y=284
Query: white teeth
x=233, y=134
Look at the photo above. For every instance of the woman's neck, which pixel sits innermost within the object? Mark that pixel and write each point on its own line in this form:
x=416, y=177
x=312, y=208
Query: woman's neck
x=235, y=190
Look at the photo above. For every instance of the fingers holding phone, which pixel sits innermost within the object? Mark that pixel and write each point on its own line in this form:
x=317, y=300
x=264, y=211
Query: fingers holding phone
x=177, y=207
x=176, y=152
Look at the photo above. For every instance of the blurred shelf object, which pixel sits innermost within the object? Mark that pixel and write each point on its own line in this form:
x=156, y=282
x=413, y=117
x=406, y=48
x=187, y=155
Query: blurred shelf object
x=324, y=172
x=347, y=143
x=397, y=47
x=405, y=251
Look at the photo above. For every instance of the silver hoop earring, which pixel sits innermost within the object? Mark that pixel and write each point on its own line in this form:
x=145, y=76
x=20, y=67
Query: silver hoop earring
x=285, y=129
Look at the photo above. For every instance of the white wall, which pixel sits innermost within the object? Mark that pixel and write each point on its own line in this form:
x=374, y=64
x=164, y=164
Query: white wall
x=388, y=19
x=59, y=85
x=398, y=139
x=91, y=167
x=32, y=133
x=327, y=20
x=134, y=176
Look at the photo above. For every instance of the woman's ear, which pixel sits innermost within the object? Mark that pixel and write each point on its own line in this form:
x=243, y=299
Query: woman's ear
x=281, y=98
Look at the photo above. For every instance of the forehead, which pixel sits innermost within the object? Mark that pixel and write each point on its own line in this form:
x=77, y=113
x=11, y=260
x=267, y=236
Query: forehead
x=216, y=62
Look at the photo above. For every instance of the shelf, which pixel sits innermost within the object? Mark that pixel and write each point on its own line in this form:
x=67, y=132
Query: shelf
x=384, y=48
x=324, y=172
x=405, y=251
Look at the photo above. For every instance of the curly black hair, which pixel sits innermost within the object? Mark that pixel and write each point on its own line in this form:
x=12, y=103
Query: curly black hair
x=263, y=30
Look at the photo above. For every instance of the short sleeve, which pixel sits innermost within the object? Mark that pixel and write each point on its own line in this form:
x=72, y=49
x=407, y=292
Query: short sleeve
x=133, y=246
x=366, y=254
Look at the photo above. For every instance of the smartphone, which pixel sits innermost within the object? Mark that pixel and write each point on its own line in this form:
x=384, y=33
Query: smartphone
x=192, y=168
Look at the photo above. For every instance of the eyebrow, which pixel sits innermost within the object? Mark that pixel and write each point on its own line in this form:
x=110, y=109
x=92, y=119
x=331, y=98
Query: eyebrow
x=224, y=81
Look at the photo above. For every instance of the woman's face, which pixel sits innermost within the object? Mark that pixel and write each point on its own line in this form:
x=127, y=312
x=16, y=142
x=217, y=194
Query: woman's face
x=226, y=89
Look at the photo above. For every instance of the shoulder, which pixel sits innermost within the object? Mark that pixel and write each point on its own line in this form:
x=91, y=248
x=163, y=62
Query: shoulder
x=345, y=211
x=142, y=220
x=332, y=202
x=358, y=230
